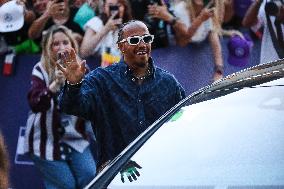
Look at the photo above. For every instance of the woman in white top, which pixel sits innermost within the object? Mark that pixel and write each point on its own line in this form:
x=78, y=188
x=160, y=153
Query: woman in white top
x=102, y=31
x=194, y=22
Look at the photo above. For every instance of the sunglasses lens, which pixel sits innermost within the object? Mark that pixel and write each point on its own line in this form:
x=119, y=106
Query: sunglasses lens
x=148, y=39
x=134, y=40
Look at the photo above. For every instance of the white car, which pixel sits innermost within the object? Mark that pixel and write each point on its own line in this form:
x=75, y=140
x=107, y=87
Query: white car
x=229, y=135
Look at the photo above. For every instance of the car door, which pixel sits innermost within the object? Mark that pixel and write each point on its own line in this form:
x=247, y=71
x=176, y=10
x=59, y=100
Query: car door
x=227, y=135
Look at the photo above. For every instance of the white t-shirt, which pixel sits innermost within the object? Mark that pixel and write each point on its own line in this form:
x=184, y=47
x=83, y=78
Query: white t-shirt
x=268, y=52
x=107, y=46
x=182, y=13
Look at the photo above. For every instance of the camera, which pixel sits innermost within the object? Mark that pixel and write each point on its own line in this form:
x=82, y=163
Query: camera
x=114, y=9
x=273, y=7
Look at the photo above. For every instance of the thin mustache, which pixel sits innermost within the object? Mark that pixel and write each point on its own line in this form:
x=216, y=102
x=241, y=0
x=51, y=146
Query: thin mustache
x=143, y=49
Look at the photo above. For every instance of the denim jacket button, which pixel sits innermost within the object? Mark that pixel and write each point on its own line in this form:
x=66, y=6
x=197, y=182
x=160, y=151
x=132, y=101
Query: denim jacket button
x=63, y=156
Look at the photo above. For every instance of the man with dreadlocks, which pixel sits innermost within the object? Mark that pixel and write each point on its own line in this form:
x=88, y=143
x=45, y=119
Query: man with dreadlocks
x=123, y=99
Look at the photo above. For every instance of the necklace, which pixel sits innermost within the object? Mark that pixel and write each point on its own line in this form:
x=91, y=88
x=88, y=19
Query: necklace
x=148, y=72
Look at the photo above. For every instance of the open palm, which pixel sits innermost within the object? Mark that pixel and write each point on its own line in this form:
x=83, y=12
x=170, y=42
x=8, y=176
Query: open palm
x=72, y=68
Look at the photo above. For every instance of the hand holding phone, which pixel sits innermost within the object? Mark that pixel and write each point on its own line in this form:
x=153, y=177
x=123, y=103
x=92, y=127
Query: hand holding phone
x=113, y=21
x=207, y=11
x=114, y=10
x=154, y=2
x=209, y=4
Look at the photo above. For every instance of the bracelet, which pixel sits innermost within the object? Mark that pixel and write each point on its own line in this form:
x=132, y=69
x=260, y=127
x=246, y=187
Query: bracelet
x=74, y=84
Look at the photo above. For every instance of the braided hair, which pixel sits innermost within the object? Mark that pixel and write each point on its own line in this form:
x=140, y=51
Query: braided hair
x=121, y=29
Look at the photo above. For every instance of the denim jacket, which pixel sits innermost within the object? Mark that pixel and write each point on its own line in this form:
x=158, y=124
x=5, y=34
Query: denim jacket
x=118, y=106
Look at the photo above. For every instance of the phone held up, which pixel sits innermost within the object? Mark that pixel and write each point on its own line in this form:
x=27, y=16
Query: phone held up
x=209, y=4
x=153, y=2
x=114, y=9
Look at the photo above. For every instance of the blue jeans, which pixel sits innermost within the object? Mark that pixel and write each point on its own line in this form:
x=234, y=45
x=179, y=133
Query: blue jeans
x=74, y=173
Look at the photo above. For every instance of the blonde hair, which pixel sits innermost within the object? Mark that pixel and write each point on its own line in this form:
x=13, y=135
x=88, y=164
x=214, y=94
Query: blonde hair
x=46, y=43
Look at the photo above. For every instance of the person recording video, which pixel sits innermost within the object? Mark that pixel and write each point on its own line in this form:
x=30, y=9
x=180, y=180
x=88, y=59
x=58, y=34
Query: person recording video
x=270, y=15
x=102, y=32
x=194, y=22
x=56, y=12
x=157, y=27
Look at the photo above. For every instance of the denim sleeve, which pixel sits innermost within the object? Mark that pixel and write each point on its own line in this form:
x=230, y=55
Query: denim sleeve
x=78, y=101
x=181, y=92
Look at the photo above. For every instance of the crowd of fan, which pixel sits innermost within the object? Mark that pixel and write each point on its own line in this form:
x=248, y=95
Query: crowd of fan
x=35, y=26
x=95, y=24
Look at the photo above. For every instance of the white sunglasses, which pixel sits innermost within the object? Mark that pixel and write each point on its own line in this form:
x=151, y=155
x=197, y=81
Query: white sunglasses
x=135, y=40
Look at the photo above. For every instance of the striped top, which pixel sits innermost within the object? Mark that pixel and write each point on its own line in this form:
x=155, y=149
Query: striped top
x=47, y=129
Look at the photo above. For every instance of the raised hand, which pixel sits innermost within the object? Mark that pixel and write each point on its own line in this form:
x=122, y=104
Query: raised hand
x=112, y=23
x=160, y=11
x=130, y=171
x=72, y=68
x=54, y=8
x=207, y=11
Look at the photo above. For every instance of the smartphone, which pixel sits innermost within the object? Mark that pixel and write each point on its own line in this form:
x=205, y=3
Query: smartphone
x=205, y=2
x=209, y=4
x=113, y=9
x=152, y=2
x=59, y=59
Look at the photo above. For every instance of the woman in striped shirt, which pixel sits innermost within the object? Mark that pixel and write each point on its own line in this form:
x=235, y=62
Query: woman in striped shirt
x=57, y=142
